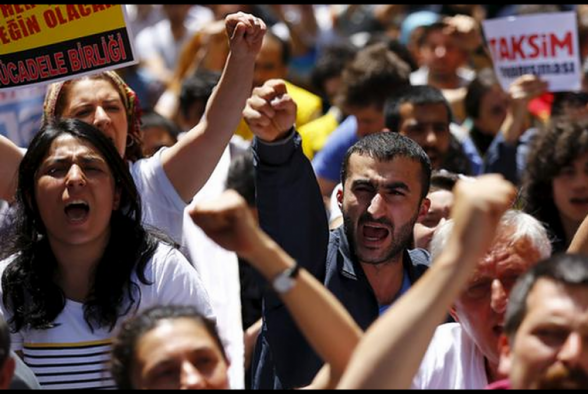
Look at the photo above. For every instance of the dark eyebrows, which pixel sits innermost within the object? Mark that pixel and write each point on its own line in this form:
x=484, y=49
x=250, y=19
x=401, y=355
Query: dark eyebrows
x=66, y=159
x=392, y=186
x=362, y=182
x=91, y=159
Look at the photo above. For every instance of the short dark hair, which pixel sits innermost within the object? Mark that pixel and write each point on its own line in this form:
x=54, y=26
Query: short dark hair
x=330, y=63
x=155, y=119
x=198, y=87
x=443, y=180
x=369, y=78
x=568, y=269
x=396, y=46
x=415, y=95
x=385, y=146
x=134, y=328
x=241, y=177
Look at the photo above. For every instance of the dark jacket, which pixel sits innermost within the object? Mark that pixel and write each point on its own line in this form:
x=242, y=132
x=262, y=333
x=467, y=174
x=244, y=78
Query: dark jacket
x=291, y=211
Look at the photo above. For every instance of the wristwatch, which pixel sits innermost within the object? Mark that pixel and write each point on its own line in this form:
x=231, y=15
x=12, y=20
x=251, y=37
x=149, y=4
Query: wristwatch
x=284, y=281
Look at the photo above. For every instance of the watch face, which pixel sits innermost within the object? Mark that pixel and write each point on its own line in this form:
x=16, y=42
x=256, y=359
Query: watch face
x=283, y=283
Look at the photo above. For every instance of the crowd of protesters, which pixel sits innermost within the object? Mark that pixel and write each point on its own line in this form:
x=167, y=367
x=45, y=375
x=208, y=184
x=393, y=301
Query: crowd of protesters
x=290, y=196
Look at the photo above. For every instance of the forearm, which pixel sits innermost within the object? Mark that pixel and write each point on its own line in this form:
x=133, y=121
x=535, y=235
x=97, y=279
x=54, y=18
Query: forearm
x=203, y=146
x=514, y=124
x=326, y=324
x=393, y=347
x=225, y=107
x=579, y=243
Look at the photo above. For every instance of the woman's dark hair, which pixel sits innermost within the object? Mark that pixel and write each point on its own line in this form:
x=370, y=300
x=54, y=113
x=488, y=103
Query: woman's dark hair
x=555, y=147
x=133, y=329
x=29, y=290
x=4, y=342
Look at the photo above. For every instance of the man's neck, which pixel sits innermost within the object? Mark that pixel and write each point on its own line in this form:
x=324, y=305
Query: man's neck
x=385, y=279
x=492, y=372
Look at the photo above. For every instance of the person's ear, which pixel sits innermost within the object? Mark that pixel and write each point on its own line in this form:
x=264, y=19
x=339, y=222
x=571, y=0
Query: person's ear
x=340, y=198
x=453, y=314
x=424, y=208
x=6, y=373
x=505, y=355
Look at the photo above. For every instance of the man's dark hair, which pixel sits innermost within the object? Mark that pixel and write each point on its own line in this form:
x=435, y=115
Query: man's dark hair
x=241, y=177
x=197, y=87
x=443, y=180
x=415, y=95
x=330, y=63
x=567, y=269
x=395, y=46
x=385, y=146
x=155, y=119
x=371, y=76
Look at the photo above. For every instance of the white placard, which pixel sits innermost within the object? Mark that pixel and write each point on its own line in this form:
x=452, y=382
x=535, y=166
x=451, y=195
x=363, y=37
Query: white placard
x=543, y=44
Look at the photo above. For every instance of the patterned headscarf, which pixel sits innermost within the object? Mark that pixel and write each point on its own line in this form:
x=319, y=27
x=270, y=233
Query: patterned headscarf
x=130, y=101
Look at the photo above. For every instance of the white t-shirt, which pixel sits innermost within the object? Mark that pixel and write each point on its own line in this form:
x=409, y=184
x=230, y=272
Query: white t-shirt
x=219, y=270
x=71, y=356
x=452, y=361
x=162, y=205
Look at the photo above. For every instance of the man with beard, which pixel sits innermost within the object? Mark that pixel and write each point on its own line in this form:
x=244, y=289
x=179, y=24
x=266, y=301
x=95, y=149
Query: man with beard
x=365, y=263
x=423, y=114
x=546, y=331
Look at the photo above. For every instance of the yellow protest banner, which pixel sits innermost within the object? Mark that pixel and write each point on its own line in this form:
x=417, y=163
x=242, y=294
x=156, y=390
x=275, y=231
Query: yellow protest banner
x=41, y=43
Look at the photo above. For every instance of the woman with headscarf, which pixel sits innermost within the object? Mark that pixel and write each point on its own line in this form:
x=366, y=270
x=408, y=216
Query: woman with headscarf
x=168, y=180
